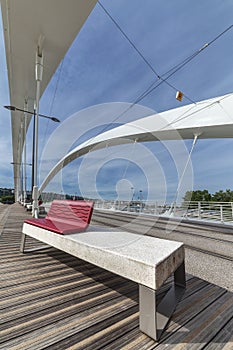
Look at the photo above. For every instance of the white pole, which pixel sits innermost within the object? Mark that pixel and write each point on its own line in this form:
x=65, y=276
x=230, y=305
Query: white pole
x=25, y=153
x=221, y=213
x=38, y=74
x=21, y=177
x=199, y=210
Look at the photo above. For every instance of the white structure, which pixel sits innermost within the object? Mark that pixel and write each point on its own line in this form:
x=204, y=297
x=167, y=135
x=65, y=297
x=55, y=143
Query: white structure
x=37, y=36
x=211, y=118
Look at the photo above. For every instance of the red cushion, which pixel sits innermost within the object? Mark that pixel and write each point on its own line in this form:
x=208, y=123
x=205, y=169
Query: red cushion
x=65, y=217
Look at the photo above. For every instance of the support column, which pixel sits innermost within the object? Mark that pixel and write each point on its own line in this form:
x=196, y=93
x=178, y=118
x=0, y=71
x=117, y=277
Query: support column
x=38, y=76
x=147, y=311
x=25, y=154
x=152, y=319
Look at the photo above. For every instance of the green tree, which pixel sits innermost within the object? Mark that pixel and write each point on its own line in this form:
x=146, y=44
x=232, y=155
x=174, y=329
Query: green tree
x=222, y=196
x=198, y=196
x=7, y=199
x=205, y=196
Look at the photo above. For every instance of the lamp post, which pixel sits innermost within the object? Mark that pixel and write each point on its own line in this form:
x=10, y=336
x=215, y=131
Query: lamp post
x=140, y=195
x=132, y=189
x=34, y=145
x=140, y=199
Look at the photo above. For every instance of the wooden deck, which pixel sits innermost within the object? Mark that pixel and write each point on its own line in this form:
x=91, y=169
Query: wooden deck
x=50, y=300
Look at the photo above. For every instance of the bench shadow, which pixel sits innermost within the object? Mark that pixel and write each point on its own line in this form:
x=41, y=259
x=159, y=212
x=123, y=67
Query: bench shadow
x=121, y=285
x=185, y=321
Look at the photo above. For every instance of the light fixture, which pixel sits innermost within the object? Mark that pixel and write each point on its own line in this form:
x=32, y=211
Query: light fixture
x=30, y=164
x=15, y=109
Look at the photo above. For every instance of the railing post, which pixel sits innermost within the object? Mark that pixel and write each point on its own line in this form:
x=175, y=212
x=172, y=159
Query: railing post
x=156, y=208
x=174, y=209
x=141, y=207
x=199, y=210
x=221, y=213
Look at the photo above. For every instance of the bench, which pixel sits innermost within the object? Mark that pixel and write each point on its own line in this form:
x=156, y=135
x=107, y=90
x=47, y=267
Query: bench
x=146, y=260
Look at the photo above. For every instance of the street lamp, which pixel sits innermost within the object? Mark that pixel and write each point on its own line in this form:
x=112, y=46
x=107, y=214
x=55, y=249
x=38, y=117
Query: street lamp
x=34, y=145
x=30, y=164
x=15, y=109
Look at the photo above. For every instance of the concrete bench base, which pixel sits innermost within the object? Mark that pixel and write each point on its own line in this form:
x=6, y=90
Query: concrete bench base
x=146, y=260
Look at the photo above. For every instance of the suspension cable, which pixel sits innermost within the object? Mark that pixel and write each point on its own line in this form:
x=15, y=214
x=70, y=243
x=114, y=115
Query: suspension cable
x=173, y=70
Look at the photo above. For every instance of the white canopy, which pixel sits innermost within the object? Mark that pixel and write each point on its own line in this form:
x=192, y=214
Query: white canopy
x=53, y=24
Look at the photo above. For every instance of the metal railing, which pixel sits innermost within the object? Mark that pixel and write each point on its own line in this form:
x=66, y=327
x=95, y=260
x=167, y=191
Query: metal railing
x=214, y=211
x=210, y=211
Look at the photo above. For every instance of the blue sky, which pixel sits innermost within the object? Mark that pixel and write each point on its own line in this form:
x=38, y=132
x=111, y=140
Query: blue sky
x=101, y=67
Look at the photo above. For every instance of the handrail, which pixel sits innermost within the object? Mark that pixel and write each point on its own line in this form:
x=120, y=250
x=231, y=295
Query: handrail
x=210, y=211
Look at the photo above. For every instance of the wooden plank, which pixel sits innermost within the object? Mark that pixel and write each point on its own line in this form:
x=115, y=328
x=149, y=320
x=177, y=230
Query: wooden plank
x=64, y=297
x=223, y=340
x=47, y=335
x=36, y=259
x=27, y=295
x=202, y=328
x=7, y=292
x=44, y=273
x=97, y=336
x=58, y=302
x=58, y=312
x=140, y=341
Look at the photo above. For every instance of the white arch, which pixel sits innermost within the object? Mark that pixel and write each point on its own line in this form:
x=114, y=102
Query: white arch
x=211, y=118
